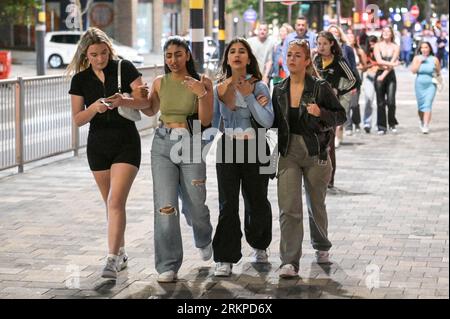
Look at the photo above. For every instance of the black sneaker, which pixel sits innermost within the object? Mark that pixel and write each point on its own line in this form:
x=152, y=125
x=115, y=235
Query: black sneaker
x=367, y=130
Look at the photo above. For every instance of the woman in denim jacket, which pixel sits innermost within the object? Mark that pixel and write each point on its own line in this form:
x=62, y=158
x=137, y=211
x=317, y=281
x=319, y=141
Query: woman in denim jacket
x=241, y=103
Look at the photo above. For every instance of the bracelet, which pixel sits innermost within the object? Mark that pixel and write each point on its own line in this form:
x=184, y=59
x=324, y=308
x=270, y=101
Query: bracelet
x=203, y=95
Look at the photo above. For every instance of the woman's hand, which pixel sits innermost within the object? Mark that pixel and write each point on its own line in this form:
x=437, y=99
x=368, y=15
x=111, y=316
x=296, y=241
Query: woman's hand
x=262, y=100
x=197, y=87
x=99, y=107
x=116, y=100
x=245, y=87
x=226, y=92
x=313, y=109
x=142, y=92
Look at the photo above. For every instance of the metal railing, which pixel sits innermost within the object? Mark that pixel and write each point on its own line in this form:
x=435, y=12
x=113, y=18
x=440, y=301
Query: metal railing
x=36, y=119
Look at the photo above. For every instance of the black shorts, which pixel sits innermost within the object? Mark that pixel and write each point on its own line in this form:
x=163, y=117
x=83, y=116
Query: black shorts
x=107, y=146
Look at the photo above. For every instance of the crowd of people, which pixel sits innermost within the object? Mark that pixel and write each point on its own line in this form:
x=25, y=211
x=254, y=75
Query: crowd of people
x=307, y=86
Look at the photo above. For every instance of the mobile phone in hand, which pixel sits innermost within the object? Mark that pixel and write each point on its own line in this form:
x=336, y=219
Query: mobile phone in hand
x=107, y=104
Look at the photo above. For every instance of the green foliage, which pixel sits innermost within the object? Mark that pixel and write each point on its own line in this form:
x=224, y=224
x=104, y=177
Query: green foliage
x=271, y=10
x=18, y=11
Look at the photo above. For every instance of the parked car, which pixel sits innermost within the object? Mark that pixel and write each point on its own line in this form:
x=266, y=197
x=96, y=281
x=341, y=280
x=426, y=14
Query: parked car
x=60, y=47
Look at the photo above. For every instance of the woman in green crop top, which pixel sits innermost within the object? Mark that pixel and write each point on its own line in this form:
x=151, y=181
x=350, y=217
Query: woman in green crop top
x=179, y=93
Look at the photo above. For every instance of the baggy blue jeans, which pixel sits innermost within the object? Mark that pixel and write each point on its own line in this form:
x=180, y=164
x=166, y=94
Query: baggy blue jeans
x=171, y=179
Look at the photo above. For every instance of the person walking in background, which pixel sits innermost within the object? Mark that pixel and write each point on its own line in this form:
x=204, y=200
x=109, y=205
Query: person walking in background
x=346, y=100
x=335, y=70
x=425, y=64
x=278, y=73
x=113, y=144
x=361, y=66
x=306, y=112
x=386, y=53
x=363, y=39
x=241, y=103
x=262, y=45
x=430, y=37
x=405, y=47
x=179, y=94
x=301, y=32
x=368, y=84
x=442, y=54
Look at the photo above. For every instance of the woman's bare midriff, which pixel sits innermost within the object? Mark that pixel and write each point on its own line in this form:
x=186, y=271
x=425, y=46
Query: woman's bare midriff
x=176, y=125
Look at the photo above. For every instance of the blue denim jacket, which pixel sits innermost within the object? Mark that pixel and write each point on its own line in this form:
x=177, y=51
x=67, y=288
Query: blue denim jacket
x=240, y=118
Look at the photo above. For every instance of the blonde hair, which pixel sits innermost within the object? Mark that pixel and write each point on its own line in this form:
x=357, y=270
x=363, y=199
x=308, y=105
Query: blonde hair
x=80, y=60
x=288, y=27
x=342, y=37
x=304, y=44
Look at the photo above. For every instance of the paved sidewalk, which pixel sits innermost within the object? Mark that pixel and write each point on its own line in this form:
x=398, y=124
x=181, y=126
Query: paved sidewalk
x=389, y=225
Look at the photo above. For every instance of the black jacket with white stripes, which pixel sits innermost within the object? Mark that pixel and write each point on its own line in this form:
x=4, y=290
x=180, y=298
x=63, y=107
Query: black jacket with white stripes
x=338, y=74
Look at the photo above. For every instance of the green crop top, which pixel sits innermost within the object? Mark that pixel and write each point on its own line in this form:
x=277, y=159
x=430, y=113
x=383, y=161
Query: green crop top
x=176, y=100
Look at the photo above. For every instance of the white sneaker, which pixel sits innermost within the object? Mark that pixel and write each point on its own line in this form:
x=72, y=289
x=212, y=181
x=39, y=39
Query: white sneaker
x=123, y=260
x=348, y=133
x=288, y=271
x=260, y=256
x=425, y=129
x=337, y=142
x=206, y=252
x=167, y=276
x=110, y=270
x=223, y=269
x=322, y=257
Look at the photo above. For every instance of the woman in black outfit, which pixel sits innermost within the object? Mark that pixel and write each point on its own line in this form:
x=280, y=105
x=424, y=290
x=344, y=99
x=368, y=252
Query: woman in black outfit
x=333, y=68
x=114, y=145
x=386, y=53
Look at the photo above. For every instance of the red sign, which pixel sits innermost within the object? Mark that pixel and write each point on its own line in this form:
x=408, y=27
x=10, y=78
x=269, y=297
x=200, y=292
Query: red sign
x=288, y=3
x=414, y=11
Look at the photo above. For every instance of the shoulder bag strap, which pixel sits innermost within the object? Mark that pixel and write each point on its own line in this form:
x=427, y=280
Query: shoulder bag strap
x=119, y=76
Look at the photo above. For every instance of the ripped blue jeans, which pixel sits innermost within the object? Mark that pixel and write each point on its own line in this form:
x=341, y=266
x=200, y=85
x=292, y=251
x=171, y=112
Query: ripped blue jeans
x=173, y=179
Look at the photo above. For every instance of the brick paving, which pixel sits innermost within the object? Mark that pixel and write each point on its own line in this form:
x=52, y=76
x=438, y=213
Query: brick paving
x=388, y=223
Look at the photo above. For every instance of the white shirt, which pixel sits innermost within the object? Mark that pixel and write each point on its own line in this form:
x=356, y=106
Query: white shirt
x=262, y=51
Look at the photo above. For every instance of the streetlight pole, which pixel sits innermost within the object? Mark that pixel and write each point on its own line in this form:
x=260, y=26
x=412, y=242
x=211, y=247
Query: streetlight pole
x=40, y=37
x=222, y=34
x=261, y=10
x=338, y=12
x=197, y=32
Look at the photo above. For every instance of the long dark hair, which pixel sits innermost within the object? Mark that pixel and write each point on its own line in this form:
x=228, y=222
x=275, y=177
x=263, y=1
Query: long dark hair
x=190, y=66
x=335, y=48
x=419, y=51
x=252, y=68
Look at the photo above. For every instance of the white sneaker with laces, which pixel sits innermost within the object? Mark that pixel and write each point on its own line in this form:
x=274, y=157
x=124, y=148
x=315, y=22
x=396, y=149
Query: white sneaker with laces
x=223, y=269
x=110, y=270
x=206, y=252
x=260, y=256
x=322, y=257
x=167, y=276
x=288, y=271
x=425, y=129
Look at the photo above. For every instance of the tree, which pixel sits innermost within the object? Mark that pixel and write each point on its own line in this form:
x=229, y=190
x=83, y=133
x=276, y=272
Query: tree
x=17, y=12
x=271, y=10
